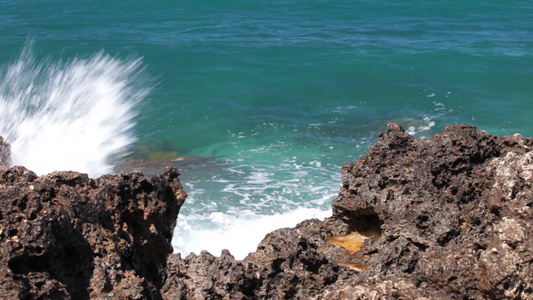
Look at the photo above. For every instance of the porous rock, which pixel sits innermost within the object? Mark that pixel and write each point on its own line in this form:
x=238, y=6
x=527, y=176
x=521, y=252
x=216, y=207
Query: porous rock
x=456, y=213
x=5, y=153
x=289, y=263
x=66, y=236
x=446, y=218
x=453, y=218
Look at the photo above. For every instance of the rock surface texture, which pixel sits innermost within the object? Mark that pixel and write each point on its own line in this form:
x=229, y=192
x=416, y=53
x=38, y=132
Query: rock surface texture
x=456, y=215
x=445, y=218
x=5, y=153
x=66, y=236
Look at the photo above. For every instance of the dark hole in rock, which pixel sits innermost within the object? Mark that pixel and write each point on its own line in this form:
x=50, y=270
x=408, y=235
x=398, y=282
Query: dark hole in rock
x=23, y=205
x=12, y=232
x=76, y=264
x=506, y=285
x=422, y=221
x=454, y=191
x=147, y=187
x=276, y=266
x=39, y=285
x=366, y=221
x=108, y=287
x=362, y=226
x=420, y=246
x=495, y=210
x=313, y=265
x=32, y=216
x=445, y=239
x=23, y=264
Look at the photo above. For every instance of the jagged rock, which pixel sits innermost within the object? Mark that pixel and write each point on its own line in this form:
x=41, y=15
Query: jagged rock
x=5, y=153
x=66, y=236
x=289, y=263
x=456, y=213
x=445, y=218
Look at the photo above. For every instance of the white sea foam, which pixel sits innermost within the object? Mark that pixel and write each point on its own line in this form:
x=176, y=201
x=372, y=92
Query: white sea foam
x=69, y=115
x=251, y=201
x=419, y=127
x=240, y=234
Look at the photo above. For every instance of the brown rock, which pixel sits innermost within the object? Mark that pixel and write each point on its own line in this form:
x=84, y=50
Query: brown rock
x=456, y=212
x=450, y=217
x=445, y=218
x=5, y=153
x=66, y=236
x=290, y=263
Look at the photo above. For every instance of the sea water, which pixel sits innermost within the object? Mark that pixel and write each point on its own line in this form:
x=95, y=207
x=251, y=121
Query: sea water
x=258, y=102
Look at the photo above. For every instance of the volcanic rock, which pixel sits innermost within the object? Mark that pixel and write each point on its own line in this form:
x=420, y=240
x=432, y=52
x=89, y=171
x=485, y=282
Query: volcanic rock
x=456, y=215
x=66, y=236
x=5, y=153
x=445, y=218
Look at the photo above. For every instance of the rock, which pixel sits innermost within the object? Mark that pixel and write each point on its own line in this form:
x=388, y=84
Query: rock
x=456, y=213
x=289, y=263
x=205, y=276
x=66, y=236
x=5, y=153
x=445, y=218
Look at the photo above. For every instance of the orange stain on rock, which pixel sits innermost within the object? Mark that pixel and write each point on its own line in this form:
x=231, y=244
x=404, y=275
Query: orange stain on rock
x=352, y=241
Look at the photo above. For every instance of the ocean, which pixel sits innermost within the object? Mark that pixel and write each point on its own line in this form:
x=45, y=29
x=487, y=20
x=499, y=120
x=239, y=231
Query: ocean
x=259, y=103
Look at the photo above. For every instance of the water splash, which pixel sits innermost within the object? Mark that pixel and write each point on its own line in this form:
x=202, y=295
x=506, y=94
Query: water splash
x=69, y=115
x=239, y=234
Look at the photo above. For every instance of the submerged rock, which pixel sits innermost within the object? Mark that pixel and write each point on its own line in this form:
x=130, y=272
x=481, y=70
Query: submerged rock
x=66, y=236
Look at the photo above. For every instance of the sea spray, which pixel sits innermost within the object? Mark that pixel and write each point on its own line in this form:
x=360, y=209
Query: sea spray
x=75, y=114
x=239, y=234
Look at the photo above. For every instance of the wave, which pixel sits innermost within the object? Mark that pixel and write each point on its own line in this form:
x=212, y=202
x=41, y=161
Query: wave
x=76, y=114
x=240, y=234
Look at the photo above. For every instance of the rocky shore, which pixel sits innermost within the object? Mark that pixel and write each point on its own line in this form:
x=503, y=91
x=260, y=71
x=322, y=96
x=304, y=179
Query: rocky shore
x=445, y=218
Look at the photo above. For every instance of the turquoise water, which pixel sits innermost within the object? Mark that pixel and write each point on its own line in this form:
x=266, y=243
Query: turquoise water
x=277, y=95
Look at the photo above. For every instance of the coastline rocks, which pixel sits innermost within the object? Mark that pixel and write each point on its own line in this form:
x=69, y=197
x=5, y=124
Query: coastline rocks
x=290, y=263
x=5, y=153
x=456, y=213
x=66, y=236
x=445, y=218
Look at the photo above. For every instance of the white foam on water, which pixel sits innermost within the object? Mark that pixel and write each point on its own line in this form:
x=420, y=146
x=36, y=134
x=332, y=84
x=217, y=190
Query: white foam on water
x=239, y=233
x=69, y=115
x=251, y=201
x=420, y=126
x=261, y=186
